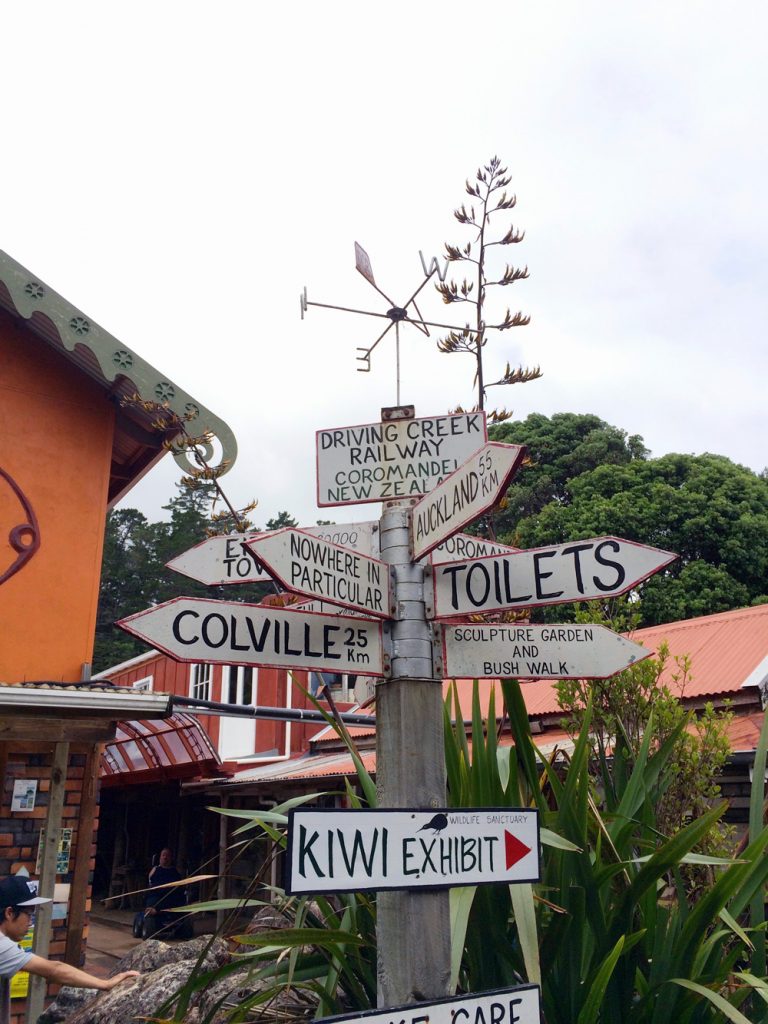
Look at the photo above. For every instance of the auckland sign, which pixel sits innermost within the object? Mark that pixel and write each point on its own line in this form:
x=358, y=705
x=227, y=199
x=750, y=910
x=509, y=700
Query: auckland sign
x=334, y=850
x=472, y=489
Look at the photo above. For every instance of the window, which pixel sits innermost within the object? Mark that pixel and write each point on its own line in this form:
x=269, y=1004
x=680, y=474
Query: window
x=145, y=684
x=238, y=684
x=200, y=682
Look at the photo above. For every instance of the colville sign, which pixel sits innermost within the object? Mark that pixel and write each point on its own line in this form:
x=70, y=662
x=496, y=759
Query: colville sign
x=226, y=632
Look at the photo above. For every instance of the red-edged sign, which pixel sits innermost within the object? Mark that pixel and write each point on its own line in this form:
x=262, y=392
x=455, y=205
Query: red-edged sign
x=396, y=459
x=579, y=571
x=225, y=632
x=516, y=650
x=333, y=850
x=308, y=565
x=472, y=489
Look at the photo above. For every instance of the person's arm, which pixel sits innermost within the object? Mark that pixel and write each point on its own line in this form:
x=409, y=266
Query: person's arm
x=66, y=974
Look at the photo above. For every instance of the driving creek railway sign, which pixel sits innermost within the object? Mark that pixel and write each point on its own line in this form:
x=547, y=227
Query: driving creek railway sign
x=333, y=850
x=396, y=459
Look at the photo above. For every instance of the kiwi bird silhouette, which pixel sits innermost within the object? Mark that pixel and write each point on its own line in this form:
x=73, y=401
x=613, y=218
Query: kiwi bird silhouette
x=437, y=824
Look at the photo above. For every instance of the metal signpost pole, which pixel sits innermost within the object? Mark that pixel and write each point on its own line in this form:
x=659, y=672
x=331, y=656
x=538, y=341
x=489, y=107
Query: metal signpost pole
x=413, y=928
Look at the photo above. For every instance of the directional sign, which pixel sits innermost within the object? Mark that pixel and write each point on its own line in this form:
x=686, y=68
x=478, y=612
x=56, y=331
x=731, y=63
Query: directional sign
x=517, y=1005
x=499, y=651
x=471, y=490
x=221, y=560
x=462, y=545
x=198, y=630
x=332, y=850
x=579, y=571
x=308, y=565
x=397, y=459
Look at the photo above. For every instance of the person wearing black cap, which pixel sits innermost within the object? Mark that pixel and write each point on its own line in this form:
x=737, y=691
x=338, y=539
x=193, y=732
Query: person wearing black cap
x=17, y=903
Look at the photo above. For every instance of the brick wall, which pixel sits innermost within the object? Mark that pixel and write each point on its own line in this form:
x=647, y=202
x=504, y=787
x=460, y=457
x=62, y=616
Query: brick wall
x=20, y=830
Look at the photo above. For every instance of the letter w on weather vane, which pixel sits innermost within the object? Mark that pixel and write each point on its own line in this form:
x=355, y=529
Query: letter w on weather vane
x=395, y=314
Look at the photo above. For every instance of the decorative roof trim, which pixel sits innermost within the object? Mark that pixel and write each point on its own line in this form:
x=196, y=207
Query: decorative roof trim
x=30, y=295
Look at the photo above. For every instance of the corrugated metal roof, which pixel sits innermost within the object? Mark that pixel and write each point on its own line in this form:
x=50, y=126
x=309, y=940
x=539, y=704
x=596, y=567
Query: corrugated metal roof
x=173, y=748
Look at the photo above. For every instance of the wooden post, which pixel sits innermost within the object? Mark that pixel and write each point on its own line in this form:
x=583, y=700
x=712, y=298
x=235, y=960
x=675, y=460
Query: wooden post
x=78, y=895
x=413, y=928
x=42, y=940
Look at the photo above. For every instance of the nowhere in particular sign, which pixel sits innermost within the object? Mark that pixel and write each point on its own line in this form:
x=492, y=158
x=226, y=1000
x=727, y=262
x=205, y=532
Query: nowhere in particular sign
x=396, y=459
x=332, y=850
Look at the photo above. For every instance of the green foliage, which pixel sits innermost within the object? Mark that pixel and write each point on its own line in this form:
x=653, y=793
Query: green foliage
x=710, y=511
x=134, y=577
x=618, y=936
x=559, y=448
x=472, y=291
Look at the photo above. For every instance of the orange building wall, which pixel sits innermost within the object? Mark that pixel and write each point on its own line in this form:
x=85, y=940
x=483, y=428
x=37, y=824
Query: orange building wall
x=56, y=432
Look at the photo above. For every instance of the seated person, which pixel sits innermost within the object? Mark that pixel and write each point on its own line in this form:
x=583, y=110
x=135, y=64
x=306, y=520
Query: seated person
x=161, y=874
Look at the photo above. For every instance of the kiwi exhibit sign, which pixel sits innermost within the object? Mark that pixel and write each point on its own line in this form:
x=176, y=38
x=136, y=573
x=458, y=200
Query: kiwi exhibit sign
x=358, y=850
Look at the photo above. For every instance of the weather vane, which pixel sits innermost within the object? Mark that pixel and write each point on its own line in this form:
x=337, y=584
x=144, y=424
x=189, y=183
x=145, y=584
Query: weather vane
x=395, y=314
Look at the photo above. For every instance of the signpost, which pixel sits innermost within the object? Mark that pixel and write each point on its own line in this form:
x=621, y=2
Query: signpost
x=518, y=1005
x=222, y=560
x=226, y=632
x=396, y=459
x=513, y=650
x=332, y=850
x=460, y=498
x=580, y=571
x=308, y=565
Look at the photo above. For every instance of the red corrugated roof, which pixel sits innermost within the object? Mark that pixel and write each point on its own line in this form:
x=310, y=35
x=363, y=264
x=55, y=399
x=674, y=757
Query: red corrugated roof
x=725, y=649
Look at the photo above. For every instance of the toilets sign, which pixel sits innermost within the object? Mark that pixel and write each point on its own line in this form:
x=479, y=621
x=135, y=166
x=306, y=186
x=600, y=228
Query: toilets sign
x=332, y=850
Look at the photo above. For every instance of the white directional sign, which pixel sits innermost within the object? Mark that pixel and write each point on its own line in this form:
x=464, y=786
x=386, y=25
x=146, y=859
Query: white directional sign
x=221, y=560
x=397, y=459
x=579, y=571
x=569, y=651
x=462, y=545
x=471, y=490
x=517, y=1005
x=308, y=565
x=332, y=850
x=198, y=630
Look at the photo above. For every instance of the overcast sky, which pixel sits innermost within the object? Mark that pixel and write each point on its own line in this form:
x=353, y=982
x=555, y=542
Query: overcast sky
x=180, y=171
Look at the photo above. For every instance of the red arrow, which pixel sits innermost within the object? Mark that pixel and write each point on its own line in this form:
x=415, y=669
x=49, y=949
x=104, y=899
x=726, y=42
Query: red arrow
x=514, y=849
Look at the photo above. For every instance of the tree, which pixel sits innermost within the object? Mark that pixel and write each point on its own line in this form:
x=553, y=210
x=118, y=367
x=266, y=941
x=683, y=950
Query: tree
x=559, y=448
x=472, y=339
x=710, y=511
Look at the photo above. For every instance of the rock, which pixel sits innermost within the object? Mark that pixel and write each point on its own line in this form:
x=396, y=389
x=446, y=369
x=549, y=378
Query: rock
x=165, y=968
